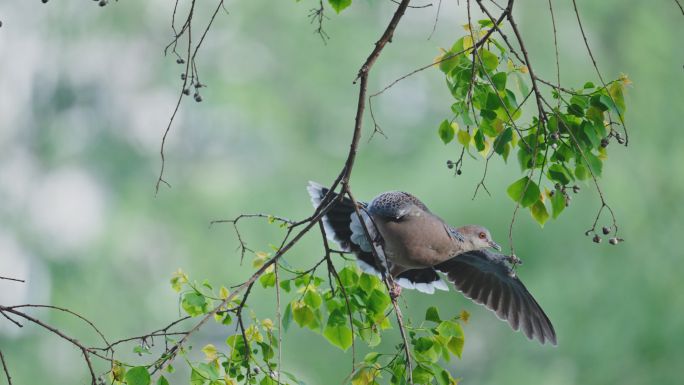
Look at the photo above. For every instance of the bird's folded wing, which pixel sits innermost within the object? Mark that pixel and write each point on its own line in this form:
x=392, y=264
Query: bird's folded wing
x=485, y=278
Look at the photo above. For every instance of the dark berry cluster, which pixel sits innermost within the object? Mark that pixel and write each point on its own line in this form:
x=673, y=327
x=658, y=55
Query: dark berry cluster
x=606, y=230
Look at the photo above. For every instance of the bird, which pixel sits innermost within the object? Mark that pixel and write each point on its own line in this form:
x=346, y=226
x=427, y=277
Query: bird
x=414, y=246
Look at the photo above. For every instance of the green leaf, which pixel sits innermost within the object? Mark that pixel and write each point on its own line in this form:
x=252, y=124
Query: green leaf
x=337, y=318
x=464, y=138
x=432, y=315
x=207, y=371
x=162, y=381
x=557, y=204
x=313, y=299
x=485, y=23
x=447, y=131
x=590, y=133
x=479, y=140
x=501, y=140
x=489, y=114
x=422, y=375
x=348, y=277
x=371, y=357
x=522, y=195
x=499, y=81
x=450, y=329
x=452, y=62
x=539, y=213
x=616, y=92
x=489, y=60
x=339, y=5
x=303, y=314
x=287, y=316
x=559, y=174
x=595, y=163
x=378, y=301
x=455, y=345
x=196, y=378
x=340, y=336
x=443, y=378
x=488, y=127
x=268, y=279
x=506, y=152
x=138, y=376
x=522, y=85
x=581, y=172
x=597, y=101
x=286, y=285
x=368, y=282
x=576, y=110
x=194, y=304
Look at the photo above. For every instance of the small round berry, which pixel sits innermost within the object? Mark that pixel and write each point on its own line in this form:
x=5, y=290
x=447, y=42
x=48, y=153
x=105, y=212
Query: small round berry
x=102, y=3
x=552, y=193
x=588, y=232
x=575, y=189
x=182, y=76
x=606, y=230
x=186, y=91
x=620, y=140
x=604, y=142
x=180, y=60
x=613, y=241
x=198, y=97
x=555, y=136
x=458, y=172
x=44, y=1
x=450, y=164
x=596, y=239
x=554, y=145
x=557, y=186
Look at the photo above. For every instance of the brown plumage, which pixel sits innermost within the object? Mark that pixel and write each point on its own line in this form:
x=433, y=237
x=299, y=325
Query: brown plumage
x=414, y=244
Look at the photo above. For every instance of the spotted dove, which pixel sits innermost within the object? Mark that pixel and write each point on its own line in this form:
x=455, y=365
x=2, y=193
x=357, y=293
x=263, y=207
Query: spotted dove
x=413, y=245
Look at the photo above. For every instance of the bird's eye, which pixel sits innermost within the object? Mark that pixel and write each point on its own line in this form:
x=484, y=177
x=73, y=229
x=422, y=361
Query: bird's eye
x=483, y=235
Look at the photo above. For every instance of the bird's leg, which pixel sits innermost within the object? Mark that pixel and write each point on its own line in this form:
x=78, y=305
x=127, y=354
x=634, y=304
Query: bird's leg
x=514, y=260
x=395, y=290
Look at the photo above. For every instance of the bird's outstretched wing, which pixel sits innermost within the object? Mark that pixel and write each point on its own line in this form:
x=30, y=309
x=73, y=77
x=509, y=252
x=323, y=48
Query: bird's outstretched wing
x=485, y=277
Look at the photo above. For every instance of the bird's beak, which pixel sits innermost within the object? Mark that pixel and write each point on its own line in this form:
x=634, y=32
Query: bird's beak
x=495, y=245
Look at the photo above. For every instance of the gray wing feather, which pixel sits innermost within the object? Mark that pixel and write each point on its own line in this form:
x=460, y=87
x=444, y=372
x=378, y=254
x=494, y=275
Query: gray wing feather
x=486, y=278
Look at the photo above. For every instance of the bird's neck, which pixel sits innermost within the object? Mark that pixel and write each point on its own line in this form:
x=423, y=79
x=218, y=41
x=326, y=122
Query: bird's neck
x=467, y=244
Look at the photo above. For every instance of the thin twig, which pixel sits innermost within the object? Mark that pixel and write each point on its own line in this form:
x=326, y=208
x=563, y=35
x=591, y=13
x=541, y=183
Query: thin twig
x=333, y=271
x=434, y=25
x=12, y=279
x=279, y=317
x=4, y=367
x=680, y=6
x=593, y=61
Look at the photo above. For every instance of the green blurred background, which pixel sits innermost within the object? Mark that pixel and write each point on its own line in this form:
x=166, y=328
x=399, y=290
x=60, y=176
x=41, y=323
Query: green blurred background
x=85, y=96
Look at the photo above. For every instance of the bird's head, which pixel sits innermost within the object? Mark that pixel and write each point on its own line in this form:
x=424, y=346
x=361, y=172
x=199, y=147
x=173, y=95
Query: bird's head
x=478, y=237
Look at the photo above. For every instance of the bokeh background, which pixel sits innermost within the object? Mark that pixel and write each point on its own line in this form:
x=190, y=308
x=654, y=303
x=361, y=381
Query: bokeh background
x=85, y=94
